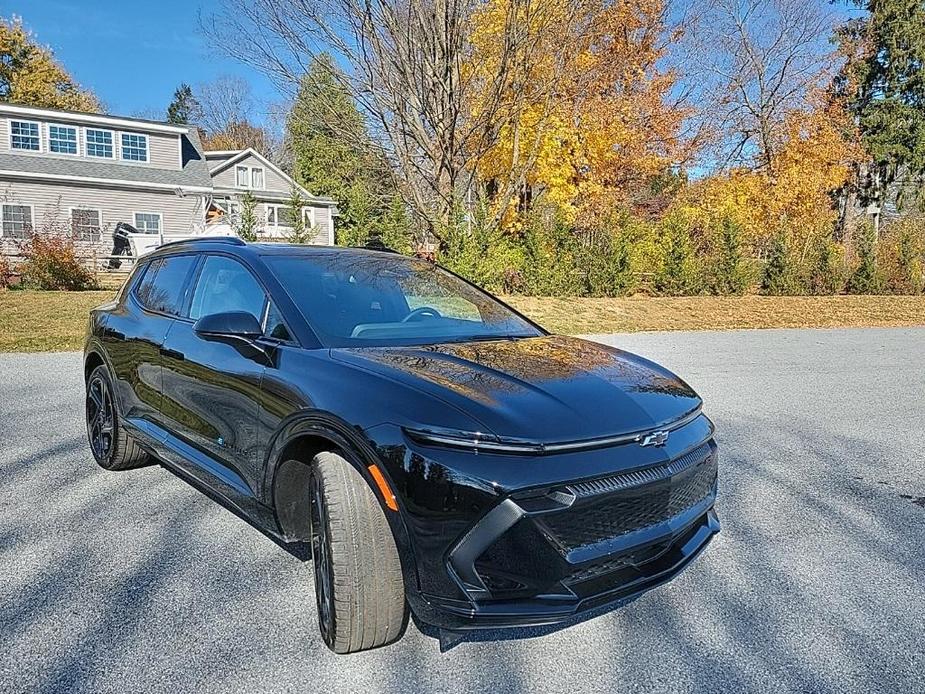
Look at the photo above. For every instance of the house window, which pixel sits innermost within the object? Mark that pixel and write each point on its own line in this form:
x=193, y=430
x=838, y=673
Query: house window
x=279, y=215
x=134, y=147
x=99, y=143
x=24, y=135
x=86, y=224
x=308, y=217
x=241, y=176
x=148, y=222
x=257, y=178
x=62, y=139
x=249, y=177
x=17, y=221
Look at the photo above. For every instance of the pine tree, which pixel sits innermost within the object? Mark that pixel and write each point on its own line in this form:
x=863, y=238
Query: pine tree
x=826, y=274
x=731, y=273
x=884, y=80
x=776, y=277
x=679, y=274
x=334, y=156
x=246, y=226
x=866, y=278
x=184, y=108
x=295, y=206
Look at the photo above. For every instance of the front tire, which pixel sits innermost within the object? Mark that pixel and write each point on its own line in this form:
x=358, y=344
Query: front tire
x=112, y=448
x=358, y=579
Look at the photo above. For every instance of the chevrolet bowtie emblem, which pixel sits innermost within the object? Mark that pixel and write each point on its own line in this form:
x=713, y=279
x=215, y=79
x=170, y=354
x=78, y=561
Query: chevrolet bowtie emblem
x=656, y=438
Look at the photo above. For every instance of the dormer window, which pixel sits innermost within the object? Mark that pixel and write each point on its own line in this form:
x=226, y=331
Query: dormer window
x=134, y=147
x=98, y=143
x=62, y=139
x=250, y=177
x=24, y=135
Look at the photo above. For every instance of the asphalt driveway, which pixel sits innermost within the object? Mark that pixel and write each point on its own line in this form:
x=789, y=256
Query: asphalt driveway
x=114, y=582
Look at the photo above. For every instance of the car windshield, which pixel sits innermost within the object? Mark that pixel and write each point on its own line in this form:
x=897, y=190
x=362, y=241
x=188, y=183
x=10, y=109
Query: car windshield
x=354, y=300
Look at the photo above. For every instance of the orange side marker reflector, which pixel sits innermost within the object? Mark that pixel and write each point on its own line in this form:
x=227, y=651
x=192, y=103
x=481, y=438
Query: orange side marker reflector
x=387, y=494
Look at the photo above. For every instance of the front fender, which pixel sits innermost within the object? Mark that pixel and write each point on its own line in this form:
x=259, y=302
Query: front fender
x=357, y=449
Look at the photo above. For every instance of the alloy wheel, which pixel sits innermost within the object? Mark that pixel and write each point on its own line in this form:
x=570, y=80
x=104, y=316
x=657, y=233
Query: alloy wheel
x=100, y=419
x=321, y=553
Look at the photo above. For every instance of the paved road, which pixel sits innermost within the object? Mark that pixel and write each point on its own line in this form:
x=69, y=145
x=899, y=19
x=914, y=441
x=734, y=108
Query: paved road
x=114, y=582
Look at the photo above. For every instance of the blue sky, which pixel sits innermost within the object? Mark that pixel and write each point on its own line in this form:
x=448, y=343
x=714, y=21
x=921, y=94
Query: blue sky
x=132, y=54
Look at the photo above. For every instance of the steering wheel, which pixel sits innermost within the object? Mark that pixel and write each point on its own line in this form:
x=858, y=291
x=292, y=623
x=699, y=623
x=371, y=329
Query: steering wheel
x=421, y=312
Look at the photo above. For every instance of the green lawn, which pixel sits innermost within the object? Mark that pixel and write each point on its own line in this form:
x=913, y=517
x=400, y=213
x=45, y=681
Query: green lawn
x=32, y=321
x=45, y=321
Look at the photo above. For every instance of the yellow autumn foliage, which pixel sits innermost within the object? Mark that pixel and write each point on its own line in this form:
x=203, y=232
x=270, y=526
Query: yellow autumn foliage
x=606, y=127
x=814, y=157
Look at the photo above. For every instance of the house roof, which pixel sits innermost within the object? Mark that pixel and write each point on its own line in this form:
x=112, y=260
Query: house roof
x=194, y=175
x=272, y=196
x=229, y=157
x=142, y=124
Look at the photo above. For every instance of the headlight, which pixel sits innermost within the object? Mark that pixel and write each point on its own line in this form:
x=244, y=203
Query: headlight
x=473, y=441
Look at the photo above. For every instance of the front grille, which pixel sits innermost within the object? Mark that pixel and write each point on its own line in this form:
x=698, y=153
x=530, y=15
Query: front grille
x=611, y=507
x=600, y=568
x=636, y=478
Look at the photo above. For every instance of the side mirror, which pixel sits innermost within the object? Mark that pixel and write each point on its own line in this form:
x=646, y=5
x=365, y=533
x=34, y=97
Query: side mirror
x=230, y=324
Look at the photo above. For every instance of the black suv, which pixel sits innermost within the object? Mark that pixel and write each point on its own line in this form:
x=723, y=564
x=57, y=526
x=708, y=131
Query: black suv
x=437, y=449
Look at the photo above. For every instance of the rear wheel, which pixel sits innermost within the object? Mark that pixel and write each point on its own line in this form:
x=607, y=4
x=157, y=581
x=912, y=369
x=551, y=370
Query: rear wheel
x=111, y=446
x=358, y=579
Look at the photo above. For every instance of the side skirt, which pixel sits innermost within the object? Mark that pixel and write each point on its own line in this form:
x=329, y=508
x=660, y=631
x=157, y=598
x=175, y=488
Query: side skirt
x=211, y=478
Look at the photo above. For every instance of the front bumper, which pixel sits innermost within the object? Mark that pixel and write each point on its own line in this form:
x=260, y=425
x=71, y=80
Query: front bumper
x=609, y=589
x=541, y=555
x=495, y=540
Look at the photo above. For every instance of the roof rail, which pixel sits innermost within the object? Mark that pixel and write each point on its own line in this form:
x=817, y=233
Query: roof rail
x=233, y=240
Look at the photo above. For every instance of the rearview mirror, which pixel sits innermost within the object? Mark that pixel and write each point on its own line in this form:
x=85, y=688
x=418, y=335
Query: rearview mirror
x=229, y=324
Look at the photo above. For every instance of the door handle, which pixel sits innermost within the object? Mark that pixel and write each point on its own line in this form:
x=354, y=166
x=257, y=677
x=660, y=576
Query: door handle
x=172, y=353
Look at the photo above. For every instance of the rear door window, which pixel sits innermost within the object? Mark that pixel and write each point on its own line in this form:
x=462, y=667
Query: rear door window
x=163, y=286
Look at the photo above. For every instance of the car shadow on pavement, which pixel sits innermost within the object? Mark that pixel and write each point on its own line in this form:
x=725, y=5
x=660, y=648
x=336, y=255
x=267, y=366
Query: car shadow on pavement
x=811, y=586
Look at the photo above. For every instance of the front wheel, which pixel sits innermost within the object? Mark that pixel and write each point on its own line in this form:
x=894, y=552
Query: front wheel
x=358, y=580
x=111, y=446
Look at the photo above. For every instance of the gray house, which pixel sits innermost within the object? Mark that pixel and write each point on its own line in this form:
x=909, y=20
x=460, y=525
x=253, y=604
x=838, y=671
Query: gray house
x=63, y=170
x=236, y=171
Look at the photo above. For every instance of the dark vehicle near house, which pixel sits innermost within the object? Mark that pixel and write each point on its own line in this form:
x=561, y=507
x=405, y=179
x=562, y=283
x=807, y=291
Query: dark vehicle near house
x=438, y=450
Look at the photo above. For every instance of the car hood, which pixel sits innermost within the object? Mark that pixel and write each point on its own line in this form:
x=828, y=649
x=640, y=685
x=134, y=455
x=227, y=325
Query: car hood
x=545, y=389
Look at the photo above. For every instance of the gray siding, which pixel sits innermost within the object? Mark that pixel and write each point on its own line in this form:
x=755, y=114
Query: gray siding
x=51, y=202
x=163, y=148
x=274, y=182
x=164, y=151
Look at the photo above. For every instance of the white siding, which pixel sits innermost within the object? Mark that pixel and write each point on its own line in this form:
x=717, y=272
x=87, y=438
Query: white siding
x=325, y=227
